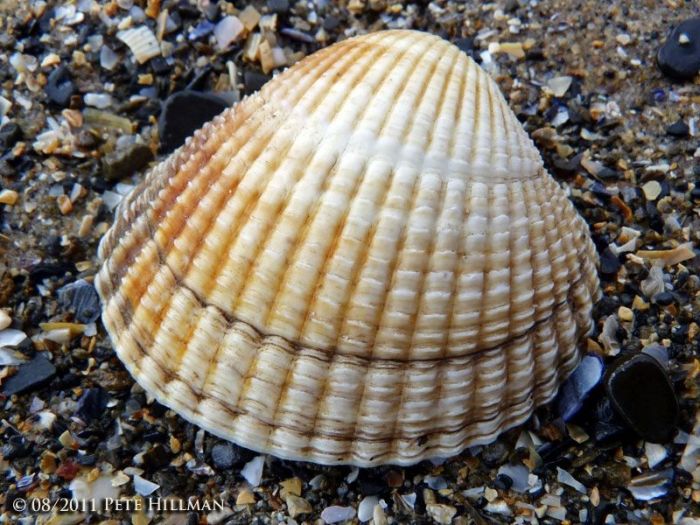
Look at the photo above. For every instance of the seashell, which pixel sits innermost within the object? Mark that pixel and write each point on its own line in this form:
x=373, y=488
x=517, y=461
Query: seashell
x=141, y=41
x=363, y=263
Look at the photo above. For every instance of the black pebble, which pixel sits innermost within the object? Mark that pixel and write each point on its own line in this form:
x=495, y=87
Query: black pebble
x=59, y=86
x=30, y=376
x=92, y=404
x=467, y=45
x=609, y=263
x=503, y=482
x=663, y=298
x=695, y=194
x=156, y=457
x=681, y=61
x=494, y=454
x=225, y=455
x=184, y=113
x=15, y=447
x=10, y=133
x=330, y=23
x=126, y=161
x=641, y=393
x=678, y=129
x=253, y=81
x=278, y=6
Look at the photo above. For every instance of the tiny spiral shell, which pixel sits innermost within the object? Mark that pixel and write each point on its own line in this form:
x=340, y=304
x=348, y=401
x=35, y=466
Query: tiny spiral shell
x=363, y=263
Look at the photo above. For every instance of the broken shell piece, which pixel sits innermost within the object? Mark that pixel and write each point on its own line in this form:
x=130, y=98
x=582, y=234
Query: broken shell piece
x=364, y=263
x=142, y=43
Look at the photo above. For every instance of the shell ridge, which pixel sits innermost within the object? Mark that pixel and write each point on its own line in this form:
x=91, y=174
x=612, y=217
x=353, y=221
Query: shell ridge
x=357, y=271
x=428, y=82
x=347, y=61
x=313, y=214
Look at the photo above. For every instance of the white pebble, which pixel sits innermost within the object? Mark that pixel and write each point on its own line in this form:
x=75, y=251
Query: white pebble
x=108, y=58
x=567, y=479
x=559, y=85
x=334, y=514
x=365, y=510
x=252, y=471
x=98, y=100
x=143, y=486
x=227, y=31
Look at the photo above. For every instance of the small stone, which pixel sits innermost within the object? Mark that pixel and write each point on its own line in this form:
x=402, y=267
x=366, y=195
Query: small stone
x=253, y=81
x=679, y=56
x=365, y=509
x=297, y=505
x=5, y=320
x=642, y=394
x=278, y=6
x=29, y=376
x=59, y=87
x=577, y=387
x=183, y=113
x=98, y=100
x=252, y=471
x=441, y=513
x=652, y=190
x=225, y=455
x=249, y=17
x=663, y=298
x=625, y=314
x=514, y=49
x=108, y=58
x=494, y=454
x=92, y=404
x=227, y=31
x=10, y=133
x=678, y=129
x=291, y=486
x=144, y=487
x=8, y=197
x=156, y=458
x=126, y=161
x=335, y=513
x=245, y=497
x=67, y=440
x=379, y=516
x=81, y=298
x=559, y=85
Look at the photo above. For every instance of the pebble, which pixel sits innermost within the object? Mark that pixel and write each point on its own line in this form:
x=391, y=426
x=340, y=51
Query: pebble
x=5, y=320
x=559, y=85
x=566, y=478
x=245, y=497
x=625, y=314
x=8, y=197
x=82, y=299
x=92, y=404
x=278, y=6
x=183, y=113
x=126, y=161
x=642, y=394
x=155, y=458
x=108, y=58
x=441, y=513
x=679, y=56
x=227, y=31
x=655, y=453
x=225, y=455
x=365, y=510
x=663, y=298
x=335, y=514
x=10, y=133
x=652, y=190
x=98, y=100
x=144, y=487
x=494, y=454
x=59, y=86
x=297, y=505
x=678, y=129
x=29, y=376
x=252, y=471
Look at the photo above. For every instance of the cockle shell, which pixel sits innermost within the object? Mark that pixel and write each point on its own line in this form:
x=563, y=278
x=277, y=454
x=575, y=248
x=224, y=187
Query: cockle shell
x=363, y=263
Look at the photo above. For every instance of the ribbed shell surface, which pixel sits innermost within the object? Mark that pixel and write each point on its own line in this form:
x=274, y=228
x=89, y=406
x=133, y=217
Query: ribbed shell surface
x=363, y=263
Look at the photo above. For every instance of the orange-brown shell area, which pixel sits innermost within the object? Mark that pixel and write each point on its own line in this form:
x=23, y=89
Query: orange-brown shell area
x=363, y=263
